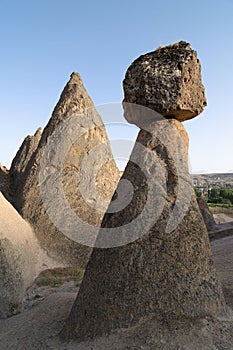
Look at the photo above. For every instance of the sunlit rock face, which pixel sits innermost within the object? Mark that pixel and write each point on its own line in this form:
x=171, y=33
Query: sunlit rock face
x=19, y=250
x=59, y=156
x=23, y=156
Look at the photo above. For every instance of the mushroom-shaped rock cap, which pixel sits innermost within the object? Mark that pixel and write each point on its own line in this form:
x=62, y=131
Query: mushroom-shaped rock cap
x=167, y=81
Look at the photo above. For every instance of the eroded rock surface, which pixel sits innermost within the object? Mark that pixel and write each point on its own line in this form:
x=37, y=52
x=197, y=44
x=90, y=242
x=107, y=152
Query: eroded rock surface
x=18, y=255
x=167, y=81
x=73, y=132
x=159, y=261
x=23, y=156
x=161, y=273
x=5, y=182
x=206, y=213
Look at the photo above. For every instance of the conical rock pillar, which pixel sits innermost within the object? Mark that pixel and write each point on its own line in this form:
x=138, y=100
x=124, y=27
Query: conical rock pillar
x=152, y=255
x=57, y=158
x=168, y=271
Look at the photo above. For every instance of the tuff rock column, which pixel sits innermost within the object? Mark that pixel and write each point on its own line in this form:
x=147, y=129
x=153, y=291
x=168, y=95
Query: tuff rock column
x=152, y=257
x=57, y=159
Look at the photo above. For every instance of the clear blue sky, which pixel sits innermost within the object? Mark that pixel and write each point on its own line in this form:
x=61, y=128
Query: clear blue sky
x=42, y=42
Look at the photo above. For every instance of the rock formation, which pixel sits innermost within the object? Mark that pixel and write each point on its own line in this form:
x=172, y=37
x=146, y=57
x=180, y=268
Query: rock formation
x=18, y=255
x=206, y=213
x=24, y=154
x=167, y=81
x=163, y=265
x=5, y=182
x=74, y=128
x=215, y=231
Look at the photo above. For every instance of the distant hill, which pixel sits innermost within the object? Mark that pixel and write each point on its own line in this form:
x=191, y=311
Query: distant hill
x=213, y=180
x=200, y=172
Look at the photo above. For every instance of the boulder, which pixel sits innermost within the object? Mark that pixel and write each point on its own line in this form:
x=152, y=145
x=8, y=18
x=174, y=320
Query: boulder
x=67, y=183
x=168, y=81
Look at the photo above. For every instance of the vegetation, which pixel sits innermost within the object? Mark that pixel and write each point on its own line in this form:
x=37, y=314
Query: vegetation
x=58, y=276
x=223, y=196
x=197, y=191
x=219, y=199
x=218, y=205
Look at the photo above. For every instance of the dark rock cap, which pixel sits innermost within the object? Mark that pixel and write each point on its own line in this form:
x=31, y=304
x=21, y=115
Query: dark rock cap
x=168, y=81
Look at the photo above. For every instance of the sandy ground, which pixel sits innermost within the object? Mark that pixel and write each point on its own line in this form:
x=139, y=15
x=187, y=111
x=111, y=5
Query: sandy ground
x=46, y=309
x=222, y=218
